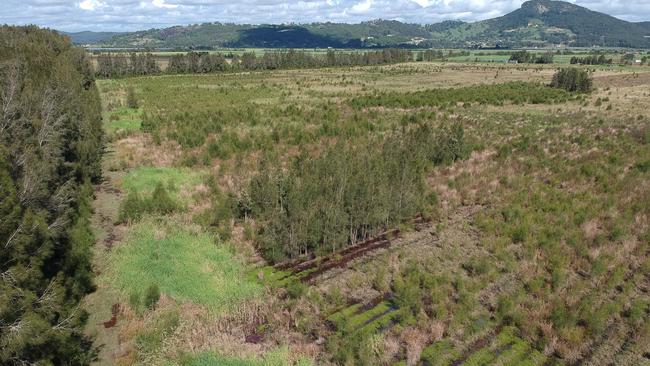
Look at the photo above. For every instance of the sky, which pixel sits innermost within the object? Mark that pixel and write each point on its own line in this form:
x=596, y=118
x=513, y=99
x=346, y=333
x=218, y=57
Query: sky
x=130, y=15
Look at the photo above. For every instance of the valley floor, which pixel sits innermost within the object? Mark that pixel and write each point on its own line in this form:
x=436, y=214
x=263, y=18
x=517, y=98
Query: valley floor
x=536, y=251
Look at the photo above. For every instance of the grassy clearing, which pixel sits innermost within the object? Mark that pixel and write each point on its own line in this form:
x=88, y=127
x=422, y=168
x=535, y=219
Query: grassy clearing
x=123, y=121
x=185, y=265
x=144, y=180
x=278, y=357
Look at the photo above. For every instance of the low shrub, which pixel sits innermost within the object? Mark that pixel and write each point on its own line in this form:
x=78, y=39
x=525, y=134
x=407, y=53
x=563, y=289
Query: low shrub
x=131, y=98
x=151, y=296
x=135, y=206
x=497, y=94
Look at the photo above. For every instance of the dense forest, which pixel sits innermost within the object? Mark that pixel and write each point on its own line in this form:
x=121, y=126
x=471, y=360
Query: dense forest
x=50, y=150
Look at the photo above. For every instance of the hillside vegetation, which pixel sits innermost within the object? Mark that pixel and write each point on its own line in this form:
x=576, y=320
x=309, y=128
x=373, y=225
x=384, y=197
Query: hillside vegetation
x=544, y=22
x=537, y=23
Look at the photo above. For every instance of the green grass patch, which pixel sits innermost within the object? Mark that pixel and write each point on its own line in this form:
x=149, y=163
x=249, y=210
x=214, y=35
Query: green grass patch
x=277, y=357
x=506, y=349
x=520, y=351
x=143, y=180
x=484, y=356
x=441, y=353
x=360, y=320
x=380, y=324
x=270, y=276
x=123, y=119
x=339, y=318
x=185, y=265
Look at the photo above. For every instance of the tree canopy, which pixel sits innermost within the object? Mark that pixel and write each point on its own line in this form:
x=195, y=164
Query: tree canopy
x=50, y=150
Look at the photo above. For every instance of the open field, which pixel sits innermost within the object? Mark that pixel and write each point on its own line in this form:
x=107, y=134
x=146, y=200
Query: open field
x=521, y=238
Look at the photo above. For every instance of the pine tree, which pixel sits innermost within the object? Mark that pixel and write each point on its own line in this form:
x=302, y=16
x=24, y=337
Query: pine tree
x=50, y=150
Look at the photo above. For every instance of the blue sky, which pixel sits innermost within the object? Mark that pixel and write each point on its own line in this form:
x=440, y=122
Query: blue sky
x=128, y=15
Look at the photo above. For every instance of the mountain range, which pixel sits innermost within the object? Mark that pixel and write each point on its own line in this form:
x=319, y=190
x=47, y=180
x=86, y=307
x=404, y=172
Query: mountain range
x=538, y=23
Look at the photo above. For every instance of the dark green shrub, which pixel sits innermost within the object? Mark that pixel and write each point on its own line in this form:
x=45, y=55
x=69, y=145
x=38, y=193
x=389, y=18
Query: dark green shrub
x=519, y=234
x=151, y=296
x=643, y=166
x=505, y=309
x=450, y=145
x=295, y=289
x=132, y=208
x=161, y=202
x=637, y=312
x=131, y=98
x=134, y=300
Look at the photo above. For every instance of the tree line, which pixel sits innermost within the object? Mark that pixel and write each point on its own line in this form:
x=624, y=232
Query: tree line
x=116, y=65
x=113, y=66
x=525, y=57
x=591, y=60
x=349, y=192
x=50, y=151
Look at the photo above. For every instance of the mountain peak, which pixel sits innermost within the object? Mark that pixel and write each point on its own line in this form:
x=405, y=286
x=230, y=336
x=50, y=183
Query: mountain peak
x=539, y=7
x=544, y=6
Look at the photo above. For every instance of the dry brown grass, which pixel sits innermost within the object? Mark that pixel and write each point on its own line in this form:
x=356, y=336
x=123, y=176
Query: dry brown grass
x=139, y=150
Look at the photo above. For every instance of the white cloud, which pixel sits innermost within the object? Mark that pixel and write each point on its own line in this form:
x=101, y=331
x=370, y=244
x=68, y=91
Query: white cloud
x=162, y=4
x=362, y=7
x=123, y=15
x=423, y=3
x=91, y=5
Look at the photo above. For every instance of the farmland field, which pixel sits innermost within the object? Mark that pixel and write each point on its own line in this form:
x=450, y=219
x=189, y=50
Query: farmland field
x=423, y=213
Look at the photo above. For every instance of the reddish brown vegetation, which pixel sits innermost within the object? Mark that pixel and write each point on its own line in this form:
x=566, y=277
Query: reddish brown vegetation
x=115, y=310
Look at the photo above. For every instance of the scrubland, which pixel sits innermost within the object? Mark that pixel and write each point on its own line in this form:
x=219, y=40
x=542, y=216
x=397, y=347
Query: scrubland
x=410, y=214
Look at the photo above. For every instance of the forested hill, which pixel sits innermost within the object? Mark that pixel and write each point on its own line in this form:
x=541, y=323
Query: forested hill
x=89, y=37
x=377, y=33
x=537, y=23
x=50, y=150
x=542, y=22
